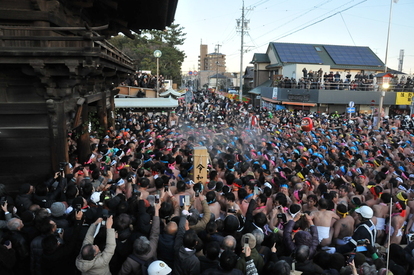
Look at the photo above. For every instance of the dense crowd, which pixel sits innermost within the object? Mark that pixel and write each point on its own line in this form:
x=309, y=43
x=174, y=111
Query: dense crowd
x=278, y=200
x=344, y=81
x=143, y=80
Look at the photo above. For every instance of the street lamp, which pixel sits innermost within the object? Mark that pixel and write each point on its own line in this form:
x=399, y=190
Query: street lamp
x=158, y=54
x=384, y=86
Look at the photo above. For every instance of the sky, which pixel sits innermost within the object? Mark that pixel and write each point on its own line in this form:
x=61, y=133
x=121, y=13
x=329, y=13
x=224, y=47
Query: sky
x=334, y=22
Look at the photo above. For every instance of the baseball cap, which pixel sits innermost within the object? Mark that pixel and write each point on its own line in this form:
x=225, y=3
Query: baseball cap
x=158, y=268
x=365, y=211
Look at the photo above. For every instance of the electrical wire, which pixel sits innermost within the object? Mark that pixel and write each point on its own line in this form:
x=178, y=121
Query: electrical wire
x=347, y=29
x=312, y=24
x=319, y=21
x=295, y=18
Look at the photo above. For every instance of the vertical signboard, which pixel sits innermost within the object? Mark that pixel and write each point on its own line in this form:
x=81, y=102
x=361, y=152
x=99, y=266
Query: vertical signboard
x=200, y=162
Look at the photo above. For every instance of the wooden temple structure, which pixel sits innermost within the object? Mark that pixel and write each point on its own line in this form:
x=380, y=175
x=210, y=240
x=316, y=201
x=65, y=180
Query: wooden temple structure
x=56, y=69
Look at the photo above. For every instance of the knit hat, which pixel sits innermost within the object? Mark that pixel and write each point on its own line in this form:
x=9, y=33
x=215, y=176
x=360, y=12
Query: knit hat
x=252, y=240
x=58, y=209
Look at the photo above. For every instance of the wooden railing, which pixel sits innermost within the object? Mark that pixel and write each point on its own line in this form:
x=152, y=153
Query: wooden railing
x=32, y=39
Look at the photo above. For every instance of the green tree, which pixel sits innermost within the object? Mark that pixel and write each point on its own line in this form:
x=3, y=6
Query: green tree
x=141, y=49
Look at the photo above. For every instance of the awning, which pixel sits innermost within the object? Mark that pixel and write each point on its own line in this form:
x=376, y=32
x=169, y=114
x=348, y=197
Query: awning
x=270, y=100
x=258, y=89
x=299, y=103
x=146, y=103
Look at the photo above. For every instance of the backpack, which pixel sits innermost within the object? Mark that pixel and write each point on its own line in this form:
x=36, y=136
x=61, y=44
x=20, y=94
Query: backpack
x=144, y=264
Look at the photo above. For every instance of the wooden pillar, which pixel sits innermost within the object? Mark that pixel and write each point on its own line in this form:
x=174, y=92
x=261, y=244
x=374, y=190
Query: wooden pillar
x=111, y=111
x=200, y=162
x=58, y=133
x=101, y=112
x=84, y=147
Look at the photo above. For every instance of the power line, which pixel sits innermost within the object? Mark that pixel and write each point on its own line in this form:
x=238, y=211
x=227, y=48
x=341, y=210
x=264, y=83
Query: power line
x=347, y=29
x=319, y=21
x=311, y=24
x=295, y=18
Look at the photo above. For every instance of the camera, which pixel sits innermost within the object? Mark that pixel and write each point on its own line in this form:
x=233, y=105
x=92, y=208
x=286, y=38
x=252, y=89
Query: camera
x=410, y=237
x=350, y=258
x=78, y=207
x=157, y=198
x=62, y=165
x=282, y=216
x=59, y=230
x=197, y=193
x=230, y=210
x=246, y=242
x=166, y=188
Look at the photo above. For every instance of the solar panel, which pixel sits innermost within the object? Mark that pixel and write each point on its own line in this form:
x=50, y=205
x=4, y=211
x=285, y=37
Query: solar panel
x=346, y=55
x=297, y=53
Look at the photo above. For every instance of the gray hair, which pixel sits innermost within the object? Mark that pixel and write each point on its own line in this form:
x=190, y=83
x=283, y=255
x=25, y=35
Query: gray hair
x=142, y=246
x=229, y=243
x=258, y=234
x=14, y=224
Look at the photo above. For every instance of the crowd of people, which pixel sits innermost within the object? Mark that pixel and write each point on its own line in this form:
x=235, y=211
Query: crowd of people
x=278, y=199
x=344, y=81
x=143, y=80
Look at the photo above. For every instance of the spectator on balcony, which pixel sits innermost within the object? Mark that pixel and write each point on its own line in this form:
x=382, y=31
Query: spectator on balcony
x=325, y=77
x=330, y=76
x=305, y=73
x=337, y=76
x=320, y=72
x=348, y=77
x=301, y=83
x=310, y=74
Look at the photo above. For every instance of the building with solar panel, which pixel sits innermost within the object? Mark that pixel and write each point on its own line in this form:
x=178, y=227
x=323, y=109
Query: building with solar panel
x=324, y=78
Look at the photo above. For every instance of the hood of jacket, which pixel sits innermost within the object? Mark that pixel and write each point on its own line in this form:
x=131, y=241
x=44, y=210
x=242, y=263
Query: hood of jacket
x=85, y=265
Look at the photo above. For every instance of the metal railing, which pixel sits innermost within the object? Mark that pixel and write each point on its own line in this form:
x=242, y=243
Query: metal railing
x=350, y=86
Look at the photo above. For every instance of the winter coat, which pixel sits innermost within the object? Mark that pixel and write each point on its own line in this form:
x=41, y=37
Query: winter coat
x=165, y=251
x=130, y=266
x=257, y=259
x=309, y=239
x=100, y=264
x=220, y=271
x=185, y=262
x=61, y=261
x=7, y=260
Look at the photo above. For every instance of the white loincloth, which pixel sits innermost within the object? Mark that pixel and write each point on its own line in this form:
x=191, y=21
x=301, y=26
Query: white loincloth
x=323, y=232
x=380, y=224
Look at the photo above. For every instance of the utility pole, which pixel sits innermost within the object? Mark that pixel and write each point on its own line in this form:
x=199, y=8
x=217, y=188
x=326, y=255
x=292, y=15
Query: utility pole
x=242, y=26
x=217, y=64
x=382, y=92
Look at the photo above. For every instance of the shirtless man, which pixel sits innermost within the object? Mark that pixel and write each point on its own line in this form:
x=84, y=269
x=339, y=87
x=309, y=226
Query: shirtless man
x=261, y=205
x=381, y=212
x=213, y=204
x=311, y=205
x=343, y=195
x=397, y=223
x=343, y=228
x=324, y=219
